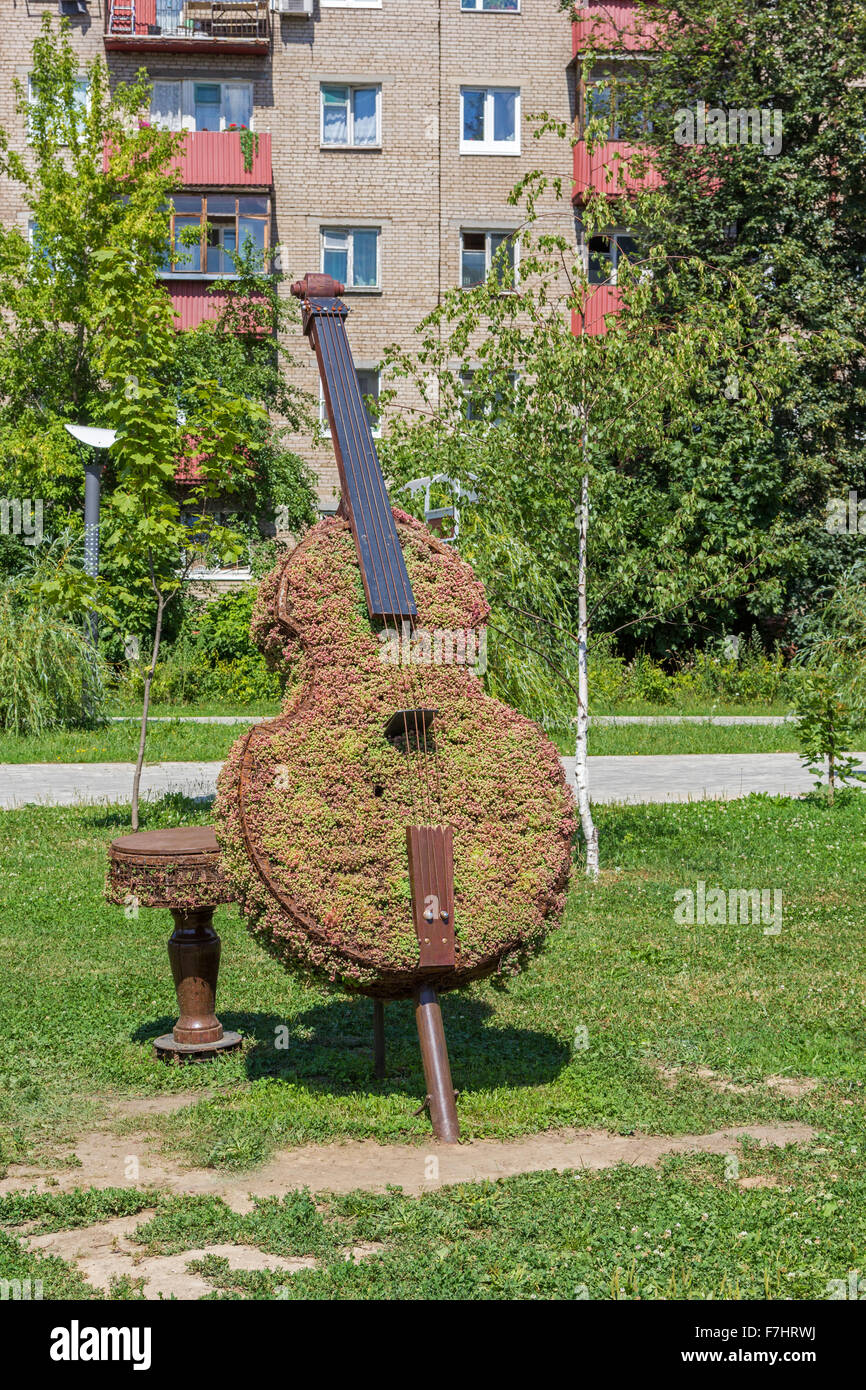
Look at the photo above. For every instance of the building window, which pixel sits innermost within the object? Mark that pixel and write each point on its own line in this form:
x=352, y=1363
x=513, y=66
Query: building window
x=201, y=105
x=207, y=230
x=602, y=101
x=368, y=384
x=490, y=5
x=80, y=102
x=599, y=107
x=605, y=253
x=481, y=252
x=203, y=563
x=490, y=120
x=350, y=115
x=351, y=4
x=477, y=407
x=351, y=255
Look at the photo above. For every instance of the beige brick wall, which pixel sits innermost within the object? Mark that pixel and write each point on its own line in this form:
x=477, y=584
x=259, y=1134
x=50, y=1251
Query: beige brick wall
x=417, y=188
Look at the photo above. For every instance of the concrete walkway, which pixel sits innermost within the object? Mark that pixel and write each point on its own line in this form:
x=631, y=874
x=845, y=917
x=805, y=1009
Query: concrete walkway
x=631, y=777
x=694, y=776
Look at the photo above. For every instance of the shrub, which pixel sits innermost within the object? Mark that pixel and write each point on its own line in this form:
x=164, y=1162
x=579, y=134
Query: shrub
x=50, y=676
x=212, y=658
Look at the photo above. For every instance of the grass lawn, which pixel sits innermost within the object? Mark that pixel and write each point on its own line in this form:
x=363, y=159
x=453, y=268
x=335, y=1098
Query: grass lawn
x=691, y=738
x=118, y=743
x=621, y=991
x=182, y=742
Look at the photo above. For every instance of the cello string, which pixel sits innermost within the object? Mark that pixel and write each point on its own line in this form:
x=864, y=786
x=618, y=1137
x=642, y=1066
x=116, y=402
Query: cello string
x=350, y=424
x=361, y=430
x=328, y=320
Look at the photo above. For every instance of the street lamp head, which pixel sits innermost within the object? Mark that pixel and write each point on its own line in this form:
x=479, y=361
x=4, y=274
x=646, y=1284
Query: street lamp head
x=96, y=438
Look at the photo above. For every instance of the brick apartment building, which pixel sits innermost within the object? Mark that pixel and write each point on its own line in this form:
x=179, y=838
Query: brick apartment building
x=390, y=133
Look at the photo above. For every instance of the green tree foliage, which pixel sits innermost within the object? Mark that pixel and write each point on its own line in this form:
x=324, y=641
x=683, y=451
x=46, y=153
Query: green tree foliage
x=825, y=725
x=753, y=116
x=519, y=409
x=97, y=180
x=557, y=431
x=93, y=178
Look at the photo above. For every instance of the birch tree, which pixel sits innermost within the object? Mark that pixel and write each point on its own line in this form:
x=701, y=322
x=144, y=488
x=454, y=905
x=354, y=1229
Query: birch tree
x=561, y=430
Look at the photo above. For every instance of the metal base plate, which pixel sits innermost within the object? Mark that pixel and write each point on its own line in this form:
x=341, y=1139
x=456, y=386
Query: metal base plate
x=166, y=1047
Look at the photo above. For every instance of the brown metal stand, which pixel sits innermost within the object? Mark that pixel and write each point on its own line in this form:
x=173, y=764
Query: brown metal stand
x=378, y=1039
x=437, y=1071
x=194, y=952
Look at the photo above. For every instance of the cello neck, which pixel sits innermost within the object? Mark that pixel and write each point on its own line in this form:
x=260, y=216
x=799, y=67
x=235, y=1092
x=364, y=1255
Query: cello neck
x=364, y=495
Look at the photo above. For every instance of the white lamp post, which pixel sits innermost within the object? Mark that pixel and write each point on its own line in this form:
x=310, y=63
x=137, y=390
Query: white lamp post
x=94, y=439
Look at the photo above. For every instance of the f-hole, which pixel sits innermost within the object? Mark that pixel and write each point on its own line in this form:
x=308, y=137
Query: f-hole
x=411, y=730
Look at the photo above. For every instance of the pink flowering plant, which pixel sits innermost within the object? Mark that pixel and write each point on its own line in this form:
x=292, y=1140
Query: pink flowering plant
x=312, y=807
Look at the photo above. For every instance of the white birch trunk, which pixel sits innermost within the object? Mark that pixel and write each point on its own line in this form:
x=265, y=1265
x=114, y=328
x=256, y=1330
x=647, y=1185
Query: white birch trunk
x=142, y=738
x=581, y=770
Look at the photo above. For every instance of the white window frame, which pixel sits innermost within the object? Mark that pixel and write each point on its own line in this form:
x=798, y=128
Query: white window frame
x=490, y=146
x=83, y=81
x=349, y=230
x=323, y=414
x=481, y=7
x=351, y=144
x=487, y=233
x=184, y=112
x=351, y=4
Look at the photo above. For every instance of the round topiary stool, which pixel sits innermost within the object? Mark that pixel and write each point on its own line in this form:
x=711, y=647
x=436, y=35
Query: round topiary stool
x=180, y=870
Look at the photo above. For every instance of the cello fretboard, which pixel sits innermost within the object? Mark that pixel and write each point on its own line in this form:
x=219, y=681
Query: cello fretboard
x=383, y=569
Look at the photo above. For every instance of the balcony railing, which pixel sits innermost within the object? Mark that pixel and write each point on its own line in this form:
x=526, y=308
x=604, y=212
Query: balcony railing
x=215, y=158
x=607, y=169
x=180, y=25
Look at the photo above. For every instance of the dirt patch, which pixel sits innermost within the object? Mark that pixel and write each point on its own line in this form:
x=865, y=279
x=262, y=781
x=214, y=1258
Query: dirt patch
x=791, y=1086
x=104, y=1252
x=105, y=1160
x=759, y=1180
x=144, y=1106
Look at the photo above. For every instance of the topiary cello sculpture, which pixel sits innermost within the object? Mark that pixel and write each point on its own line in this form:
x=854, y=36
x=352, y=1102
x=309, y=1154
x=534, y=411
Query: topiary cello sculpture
x=394, y=829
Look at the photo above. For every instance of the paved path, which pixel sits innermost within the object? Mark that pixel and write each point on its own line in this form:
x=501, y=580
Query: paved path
x=61, y=784
x=631, y=777
x=694, y=776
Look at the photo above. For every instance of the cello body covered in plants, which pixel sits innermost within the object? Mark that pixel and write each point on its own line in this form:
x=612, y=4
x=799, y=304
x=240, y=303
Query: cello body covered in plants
x=394, y=829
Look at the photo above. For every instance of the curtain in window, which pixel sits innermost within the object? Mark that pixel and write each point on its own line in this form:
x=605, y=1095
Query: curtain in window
x=335, y=115
x=364, y=116
x=336, y=256
x=237, y=103
x=504, y=122
x=165, y=105
x=365, y=258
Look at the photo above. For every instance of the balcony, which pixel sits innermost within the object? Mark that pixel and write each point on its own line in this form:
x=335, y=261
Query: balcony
x=215, y=159
x=606, y=170
x=606, y=26
x=188, y=26
x=601, y=300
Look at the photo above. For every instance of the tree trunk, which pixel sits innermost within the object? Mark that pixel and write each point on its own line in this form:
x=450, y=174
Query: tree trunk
x=148, y=680
x=831, y=776
x=581, y=771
